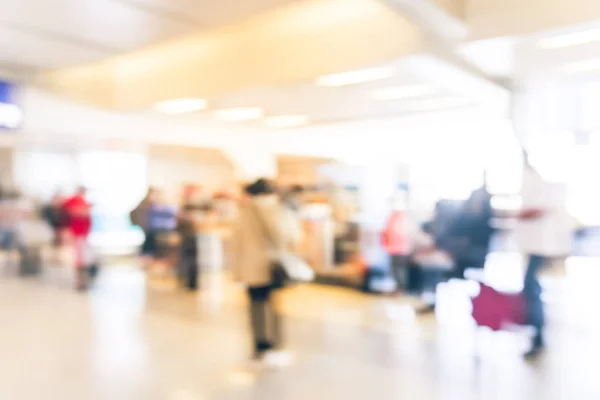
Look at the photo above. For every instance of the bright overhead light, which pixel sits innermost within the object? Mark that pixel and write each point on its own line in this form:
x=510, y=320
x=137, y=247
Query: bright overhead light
x=239, y=114
x=403, y=92
x=286, y=121
x=570, y=39
x=582, y=66
x=355, y=77
x=180, y=106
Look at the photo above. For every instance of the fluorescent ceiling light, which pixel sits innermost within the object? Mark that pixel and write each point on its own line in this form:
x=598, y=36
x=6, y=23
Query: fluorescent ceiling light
x=403, y=92
x=570, y=39
x=239, y=114
x=286, y=121
x=582, y=66
x=180, y=106
x=355, y=77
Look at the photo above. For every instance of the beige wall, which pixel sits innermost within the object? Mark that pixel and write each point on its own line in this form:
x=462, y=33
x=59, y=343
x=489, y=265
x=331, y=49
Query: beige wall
x=492, y=18
x=295, y=170
x=290, y=44
x=172, y=167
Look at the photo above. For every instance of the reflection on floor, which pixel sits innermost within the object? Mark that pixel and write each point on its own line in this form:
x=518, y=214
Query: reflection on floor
x=127, y=341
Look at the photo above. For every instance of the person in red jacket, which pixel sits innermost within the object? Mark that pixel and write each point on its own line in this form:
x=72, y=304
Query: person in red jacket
x=79, y=224
x=398, y=240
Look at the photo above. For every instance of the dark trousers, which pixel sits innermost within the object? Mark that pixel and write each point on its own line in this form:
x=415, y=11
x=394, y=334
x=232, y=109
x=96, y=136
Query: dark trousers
x=266, y=323
x=532, y=291
x=399, y=266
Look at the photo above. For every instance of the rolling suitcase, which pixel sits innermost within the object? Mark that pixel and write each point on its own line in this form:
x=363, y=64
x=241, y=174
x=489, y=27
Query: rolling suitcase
x=497, y=310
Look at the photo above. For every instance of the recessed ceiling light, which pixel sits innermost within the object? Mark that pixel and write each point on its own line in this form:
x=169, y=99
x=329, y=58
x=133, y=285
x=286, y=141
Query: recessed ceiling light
x=239, y=114
x=286, y=121
x=403, y=92
x=180, y=106
x=355, y=77
x=582, y=66
x=570, y=39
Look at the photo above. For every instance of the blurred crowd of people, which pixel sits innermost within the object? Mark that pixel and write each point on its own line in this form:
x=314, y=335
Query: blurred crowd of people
x=459, y=237
x=262, y=232
x=28, y=228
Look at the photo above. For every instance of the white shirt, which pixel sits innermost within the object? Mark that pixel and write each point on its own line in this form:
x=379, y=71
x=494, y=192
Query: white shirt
x=551, y=234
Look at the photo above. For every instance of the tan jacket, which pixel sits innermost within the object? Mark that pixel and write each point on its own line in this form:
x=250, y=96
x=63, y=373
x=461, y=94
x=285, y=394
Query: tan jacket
x=258, y=238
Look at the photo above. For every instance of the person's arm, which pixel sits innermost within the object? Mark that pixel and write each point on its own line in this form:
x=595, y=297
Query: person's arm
x=530, y=213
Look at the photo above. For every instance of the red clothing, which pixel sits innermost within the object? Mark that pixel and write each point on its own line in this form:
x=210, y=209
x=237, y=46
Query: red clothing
x=397, y=235
x=79, y=220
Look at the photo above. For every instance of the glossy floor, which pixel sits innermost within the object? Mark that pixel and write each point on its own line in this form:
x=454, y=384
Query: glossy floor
x=128, y=341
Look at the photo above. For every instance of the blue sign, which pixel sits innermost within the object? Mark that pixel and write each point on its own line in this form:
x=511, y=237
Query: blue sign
x=11, y=115
x=6, y=92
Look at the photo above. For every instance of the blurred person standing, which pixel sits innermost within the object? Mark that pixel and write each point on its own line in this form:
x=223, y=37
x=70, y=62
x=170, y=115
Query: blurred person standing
x=161, y=227
x=258, y=239
x=33, y=233
x=545, y=231
x=398, y=240
x=9, y=217
x=469, y=235
x=78, y=214
x=188, y=247
x=54, y=215
x=139, y=217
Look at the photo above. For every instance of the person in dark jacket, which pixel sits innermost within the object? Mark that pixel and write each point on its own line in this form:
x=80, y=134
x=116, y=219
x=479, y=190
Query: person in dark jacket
x=469, y=236
x=188, y=251
x=53, y=213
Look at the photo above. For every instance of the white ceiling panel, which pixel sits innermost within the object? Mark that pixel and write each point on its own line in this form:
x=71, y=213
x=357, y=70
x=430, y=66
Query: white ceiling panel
x=329, y=104
x=26, y=51
x=104, y=24
x=212, y=13
x=58, y=33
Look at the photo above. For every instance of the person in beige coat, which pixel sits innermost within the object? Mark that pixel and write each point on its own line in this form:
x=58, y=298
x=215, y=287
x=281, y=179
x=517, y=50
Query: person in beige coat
x=259, y=237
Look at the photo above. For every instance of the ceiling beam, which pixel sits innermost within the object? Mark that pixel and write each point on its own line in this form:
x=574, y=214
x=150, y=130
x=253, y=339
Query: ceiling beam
x=433, y=17
x=289, y=45
x=61, y=37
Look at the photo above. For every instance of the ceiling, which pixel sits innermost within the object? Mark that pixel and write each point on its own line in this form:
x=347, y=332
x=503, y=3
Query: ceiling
x=129, y=54
x=43, y=34
x=445, y=87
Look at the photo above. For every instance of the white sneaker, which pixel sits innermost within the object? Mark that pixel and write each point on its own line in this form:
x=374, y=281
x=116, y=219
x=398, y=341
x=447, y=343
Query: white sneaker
x=277, y=359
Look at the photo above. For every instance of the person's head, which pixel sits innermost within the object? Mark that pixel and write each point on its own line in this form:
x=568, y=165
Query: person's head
x=260, y=188
x=153, y=195
x=293, y=197
x=296, y=190
x=81, y=190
